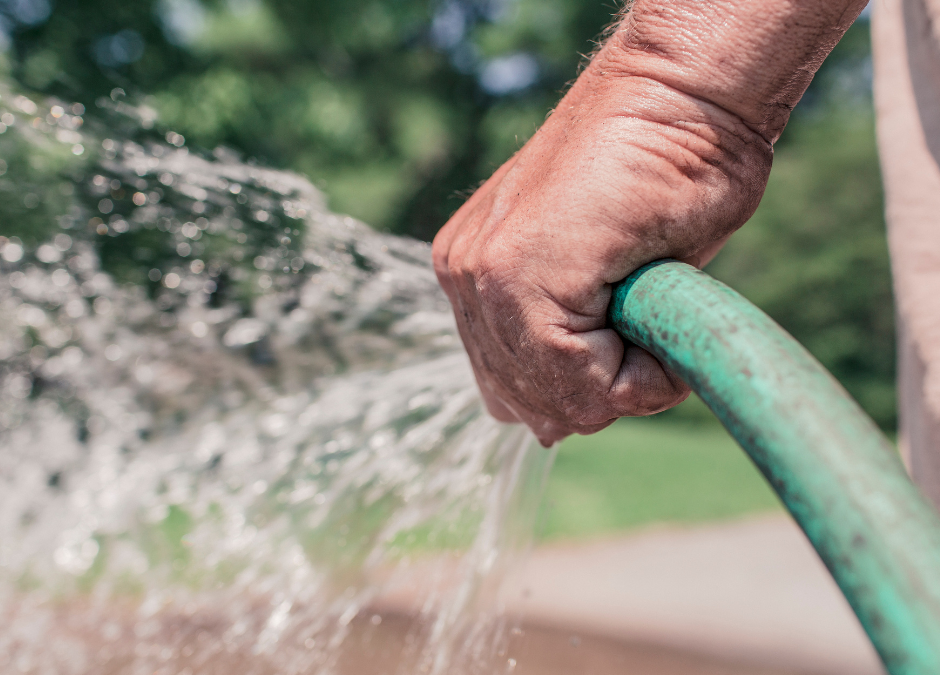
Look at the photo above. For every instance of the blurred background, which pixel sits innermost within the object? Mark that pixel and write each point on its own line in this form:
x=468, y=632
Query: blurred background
x=397, y=109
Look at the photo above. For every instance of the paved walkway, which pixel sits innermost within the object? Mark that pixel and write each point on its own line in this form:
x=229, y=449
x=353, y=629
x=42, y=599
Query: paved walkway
x=751, y=592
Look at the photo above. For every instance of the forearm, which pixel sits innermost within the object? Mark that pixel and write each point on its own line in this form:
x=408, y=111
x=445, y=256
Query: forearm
x=753, y=58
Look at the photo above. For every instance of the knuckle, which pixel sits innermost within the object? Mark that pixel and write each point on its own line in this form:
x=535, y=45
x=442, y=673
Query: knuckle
x=461, y=261
x=562, y=345
x=439, y=258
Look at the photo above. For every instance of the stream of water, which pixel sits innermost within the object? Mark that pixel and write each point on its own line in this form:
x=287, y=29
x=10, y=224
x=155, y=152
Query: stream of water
x=238, y=433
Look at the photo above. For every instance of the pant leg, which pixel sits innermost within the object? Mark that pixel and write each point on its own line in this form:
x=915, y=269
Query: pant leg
x=906, y=44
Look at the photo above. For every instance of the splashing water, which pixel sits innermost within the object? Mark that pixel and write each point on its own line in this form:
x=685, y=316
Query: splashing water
x=238, y=433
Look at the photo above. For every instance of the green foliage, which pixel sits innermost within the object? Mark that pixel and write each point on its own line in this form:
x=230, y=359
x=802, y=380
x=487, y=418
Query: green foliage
x=35, y=188
x=643, y=471
x=815, y=256
x=380, y=102
x=385, y=104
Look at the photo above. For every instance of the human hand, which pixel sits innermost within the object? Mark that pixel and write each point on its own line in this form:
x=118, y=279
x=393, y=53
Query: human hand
x=630, y=168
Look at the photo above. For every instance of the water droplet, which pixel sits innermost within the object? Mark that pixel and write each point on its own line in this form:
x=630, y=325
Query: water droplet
x=26, y=105
x=102, y=306
x=12, y=252
x=63, y=242
x=61, y=278
x=75, y=308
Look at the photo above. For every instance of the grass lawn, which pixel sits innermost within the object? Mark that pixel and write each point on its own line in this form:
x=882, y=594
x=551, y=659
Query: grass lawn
x=677, y=468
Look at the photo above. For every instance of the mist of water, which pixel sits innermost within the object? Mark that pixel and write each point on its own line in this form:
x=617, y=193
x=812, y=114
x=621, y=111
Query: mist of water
x=238, y=433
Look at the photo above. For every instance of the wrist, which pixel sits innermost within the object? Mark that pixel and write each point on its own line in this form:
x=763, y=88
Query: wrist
x=754, y=59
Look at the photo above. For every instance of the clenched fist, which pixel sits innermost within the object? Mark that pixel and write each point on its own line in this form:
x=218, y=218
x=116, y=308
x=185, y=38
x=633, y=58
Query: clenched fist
x=661, y=148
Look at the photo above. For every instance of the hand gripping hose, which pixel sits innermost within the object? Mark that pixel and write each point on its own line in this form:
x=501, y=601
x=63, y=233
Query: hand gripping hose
x=835, y=471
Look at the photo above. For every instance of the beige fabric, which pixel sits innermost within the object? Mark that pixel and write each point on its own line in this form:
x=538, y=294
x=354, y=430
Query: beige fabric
x=906, y=42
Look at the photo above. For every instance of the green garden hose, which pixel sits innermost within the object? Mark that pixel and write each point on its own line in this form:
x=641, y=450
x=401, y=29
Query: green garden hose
x=835, y=471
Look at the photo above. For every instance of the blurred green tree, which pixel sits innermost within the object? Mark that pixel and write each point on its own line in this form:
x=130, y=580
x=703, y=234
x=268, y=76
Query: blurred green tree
x=815, y=255
x=391, y=106
x=396, y=107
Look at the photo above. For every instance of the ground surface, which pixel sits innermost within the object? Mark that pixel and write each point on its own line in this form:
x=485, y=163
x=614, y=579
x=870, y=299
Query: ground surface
x=751, y=593
x=660, y=540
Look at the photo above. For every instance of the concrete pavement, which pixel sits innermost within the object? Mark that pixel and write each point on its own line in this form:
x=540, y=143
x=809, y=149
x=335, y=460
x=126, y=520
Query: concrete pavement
x=750, y=592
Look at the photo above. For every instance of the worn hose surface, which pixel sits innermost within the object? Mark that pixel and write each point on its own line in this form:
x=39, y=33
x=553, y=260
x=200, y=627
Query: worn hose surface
x=835, y=471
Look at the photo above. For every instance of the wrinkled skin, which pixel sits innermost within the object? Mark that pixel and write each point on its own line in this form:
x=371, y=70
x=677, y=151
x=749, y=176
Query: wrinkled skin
x=661, y=148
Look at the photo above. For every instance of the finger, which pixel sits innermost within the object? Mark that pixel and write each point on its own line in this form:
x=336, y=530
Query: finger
x=597, y=378
x=645, y=386
x=495, y=405
x=586, y=365
x=546, y=430
x=508, y=408
x=550, y=431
